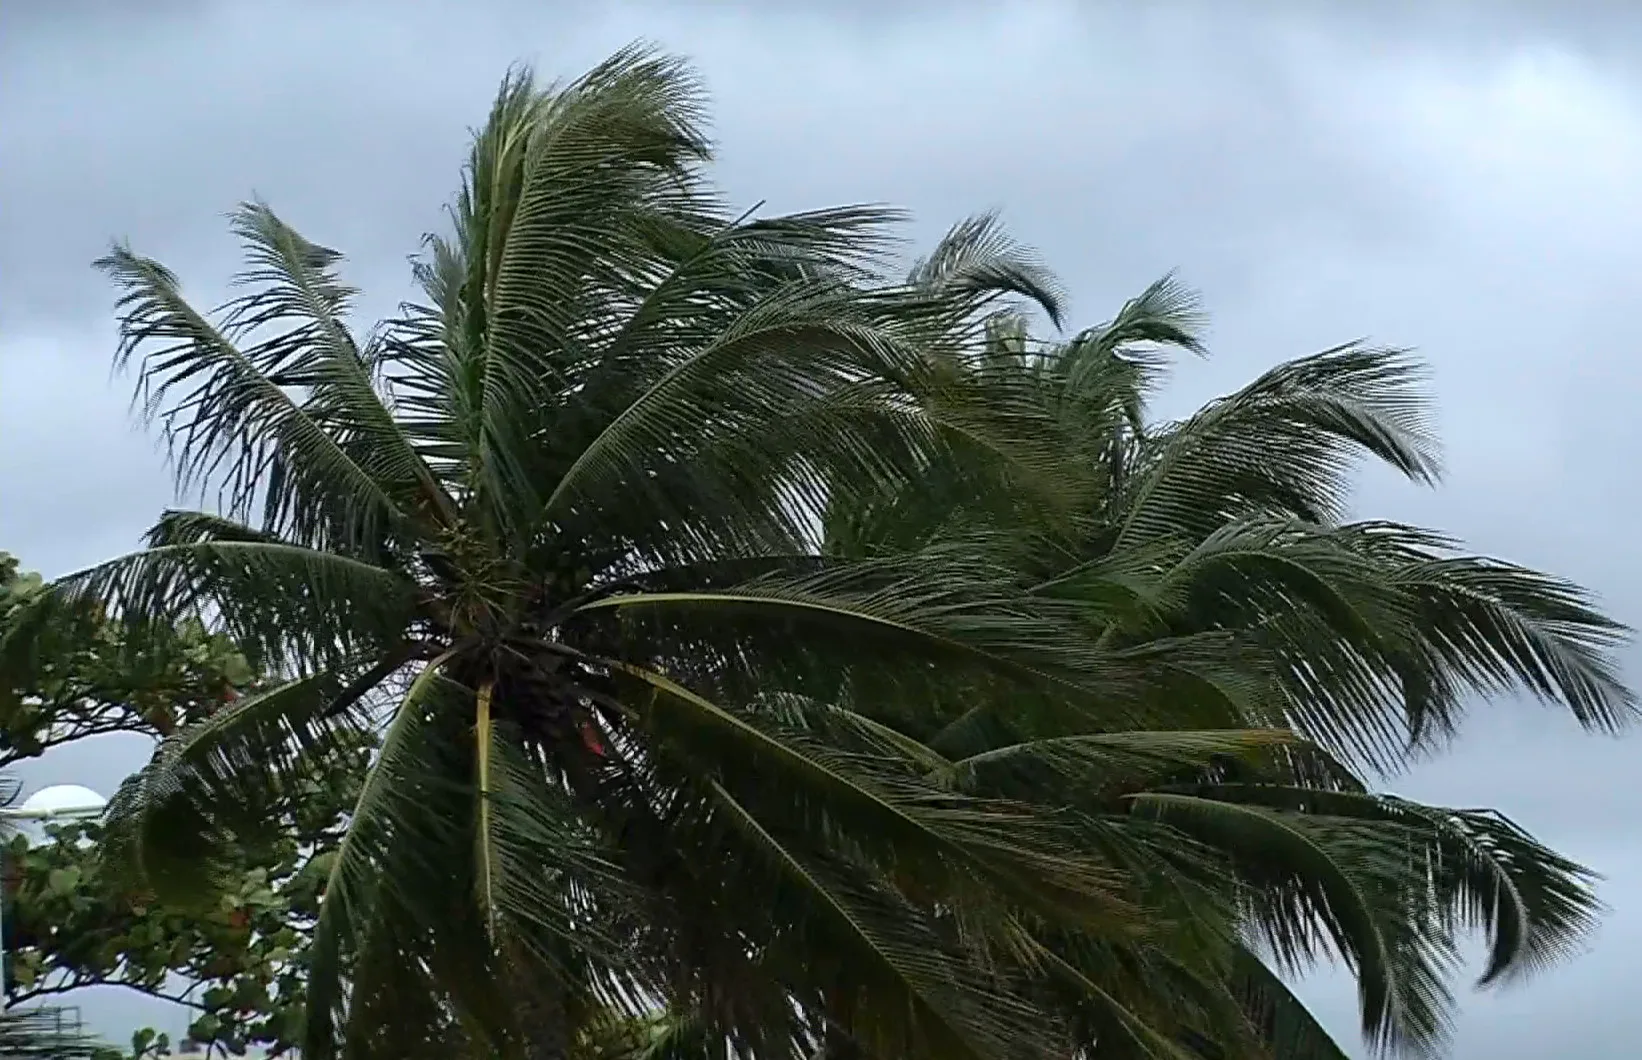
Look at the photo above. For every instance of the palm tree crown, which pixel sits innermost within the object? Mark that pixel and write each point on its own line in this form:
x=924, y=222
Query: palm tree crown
x=808, y=649
x=1217, y=546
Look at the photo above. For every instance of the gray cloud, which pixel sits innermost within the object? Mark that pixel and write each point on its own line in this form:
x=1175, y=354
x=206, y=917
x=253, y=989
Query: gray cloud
x=1457, y=176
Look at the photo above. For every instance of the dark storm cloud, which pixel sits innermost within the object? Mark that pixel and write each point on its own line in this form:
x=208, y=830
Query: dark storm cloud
x=1458, y=176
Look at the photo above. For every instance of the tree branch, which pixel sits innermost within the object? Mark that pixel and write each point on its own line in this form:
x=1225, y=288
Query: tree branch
x=79, y=983
x=11, y=756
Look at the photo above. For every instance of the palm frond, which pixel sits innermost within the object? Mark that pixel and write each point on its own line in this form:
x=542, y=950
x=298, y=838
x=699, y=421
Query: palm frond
x=1284, y=444
x=977, y=255
x=1281, y=1020
x=908, y=993
x=283, y=604
x=295, y=291
x=220, y=776
x=1115, y=1027
x=777, y=357
x=232, y=424
x=1113, y=762
x=564, y=191
x=923, y=831
x=1166, y=314
x=1483, y=872
x=349, y=896
x=1328, y=892
x=945, y=605
x=1495, y=626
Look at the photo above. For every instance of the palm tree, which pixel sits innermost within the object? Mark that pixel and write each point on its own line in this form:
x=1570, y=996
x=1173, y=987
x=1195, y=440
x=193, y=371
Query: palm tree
x=696, y=576
x=1218, y=546
x=556, y=529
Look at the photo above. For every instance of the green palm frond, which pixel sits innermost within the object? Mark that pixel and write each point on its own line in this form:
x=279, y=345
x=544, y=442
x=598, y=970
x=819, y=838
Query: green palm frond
x=1284, y=444
x=1497, y=626
x=1280, y=1019
x=350, y=896
x=978, y=255
x=1112, y=1026
x=566, y=192
x=1102, y=381
x=668, y=1034
x=165, y=819
x=233, y=425
x=1384, y=630
x=1411, y=881
x=899, y=966
x=1321, y=880
x=743, y=374
x=1110, y=763
x=296, y=292
x=1484, y=871
x=283, y=603
x=935, y=836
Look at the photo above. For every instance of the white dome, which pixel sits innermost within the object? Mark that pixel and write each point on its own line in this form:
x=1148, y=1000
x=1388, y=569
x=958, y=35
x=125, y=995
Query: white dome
x=62, y=799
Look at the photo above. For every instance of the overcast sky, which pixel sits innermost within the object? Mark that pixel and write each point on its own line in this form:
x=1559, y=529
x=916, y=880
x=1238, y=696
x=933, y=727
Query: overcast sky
x=1459, y=178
